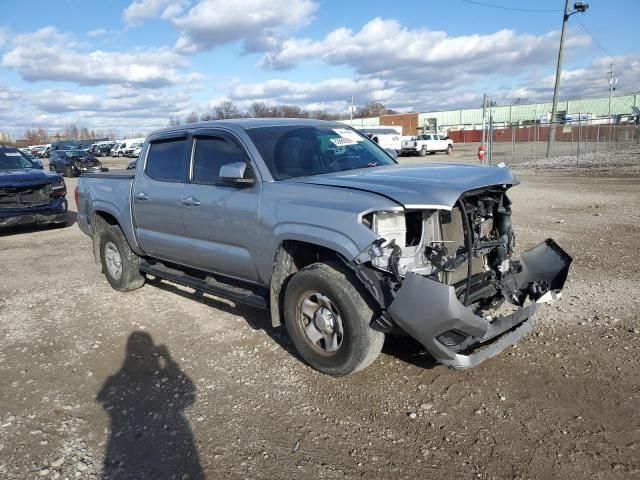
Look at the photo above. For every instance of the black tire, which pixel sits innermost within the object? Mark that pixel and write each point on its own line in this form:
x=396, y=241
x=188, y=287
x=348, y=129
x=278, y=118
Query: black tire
x=422, y=152
x=360, y=344
x=449, y=150
x=130, y=277
x=52, y=168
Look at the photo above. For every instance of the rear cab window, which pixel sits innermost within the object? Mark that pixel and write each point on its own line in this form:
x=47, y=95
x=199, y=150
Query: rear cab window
x=168, y=160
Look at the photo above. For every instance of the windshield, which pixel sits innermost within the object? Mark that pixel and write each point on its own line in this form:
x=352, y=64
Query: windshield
x=77, y=154
x=294, y=151
x=12, y=159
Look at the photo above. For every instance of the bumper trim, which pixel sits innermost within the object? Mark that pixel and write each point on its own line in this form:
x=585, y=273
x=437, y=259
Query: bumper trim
x=34, y=218
x=463, y=362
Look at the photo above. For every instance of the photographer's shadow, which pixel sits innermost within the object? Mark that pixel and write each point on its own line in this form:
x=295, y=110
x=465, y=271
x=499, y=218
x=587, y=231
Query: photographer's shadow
x=149, y=436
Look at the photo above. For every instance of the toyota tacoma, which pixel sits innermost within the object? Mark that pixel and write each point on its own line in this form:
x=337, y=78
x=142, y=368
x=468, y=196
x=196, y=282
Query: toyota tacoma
x=315, y=222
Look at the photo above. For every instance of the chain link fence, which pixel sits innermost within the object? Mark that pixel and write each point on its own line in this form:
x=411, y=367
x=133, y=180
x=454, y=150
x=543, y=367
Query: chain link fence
x=514, y=144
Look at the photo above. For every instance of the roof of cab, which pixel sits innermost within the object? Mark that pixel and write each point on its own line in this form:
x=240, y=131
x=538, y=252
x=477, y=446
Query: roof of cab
x=246, y=124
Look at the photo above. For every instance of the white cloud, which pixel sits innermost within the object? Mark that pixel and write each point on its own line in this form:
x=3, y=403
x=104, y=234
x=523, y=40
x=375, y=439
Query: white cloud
x=336, y=90
x=49, y=55
x=141, y=10
x=98, y=32
x=384, y=46
x=117, y=100
x=259, y=23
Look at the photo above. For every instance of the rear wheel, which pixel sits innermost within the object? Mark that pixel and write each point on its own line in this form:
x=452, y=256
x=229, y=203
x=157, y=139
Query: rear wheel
x=119, y=263
x=328, y=317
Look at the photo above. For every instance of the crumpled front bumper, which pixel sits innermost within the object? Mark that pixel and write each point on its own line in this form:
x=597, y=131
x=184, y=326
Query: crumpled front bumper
x=55, y=212
x=427, y=310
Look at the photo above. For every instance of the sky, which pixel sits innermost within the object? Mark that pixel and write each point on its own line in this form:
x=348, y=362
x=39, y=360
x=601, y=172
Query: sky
x=131, y=65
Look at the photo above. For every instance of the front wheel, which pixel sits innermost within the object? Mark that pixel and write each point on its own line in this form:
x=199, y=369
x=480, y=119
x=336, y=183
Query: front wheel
x=328, y=319
x=423, y=152
x=119, y=263
x=449, y=150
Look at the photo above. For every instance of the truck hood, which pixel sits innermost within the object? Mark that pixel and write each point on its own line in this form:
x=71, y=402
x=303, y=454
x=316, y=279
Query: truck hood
x=432, y=186
x=26, y=177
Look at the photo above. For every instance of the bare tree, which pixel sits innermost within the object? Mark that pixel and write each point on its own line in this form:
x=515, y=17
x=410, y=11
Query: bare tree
x=373, y=109
x=226, y=109
x=174, y=121
x=193, y=117
x=260, y=110
x=205, y=117
x=521, y=101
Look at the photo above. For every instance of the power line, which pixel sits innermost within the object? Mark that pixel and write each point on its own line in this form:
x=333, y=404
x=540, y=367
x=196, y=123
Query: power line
x=502, y=7
x=593, y=38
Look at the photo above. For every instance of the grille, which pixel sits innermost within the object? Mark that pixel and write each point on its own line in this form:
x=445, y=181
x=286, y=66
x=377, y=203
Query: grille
x=20, y=197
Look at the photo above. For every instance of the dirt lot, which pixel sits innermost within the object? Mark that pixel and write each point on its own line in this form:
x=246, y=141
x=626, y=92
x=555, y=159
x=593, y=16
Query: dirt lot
x=200, y=388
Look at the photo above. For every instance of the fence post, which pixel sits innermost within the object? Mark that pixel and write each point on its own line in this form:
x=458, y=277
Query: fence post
x=513, y=144
x=579, y=139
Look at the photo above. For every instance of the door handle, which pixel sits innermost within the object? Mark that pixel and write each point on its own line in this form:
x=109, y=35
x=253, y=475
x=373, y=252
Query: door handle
x=191, y=202
x=142, y=196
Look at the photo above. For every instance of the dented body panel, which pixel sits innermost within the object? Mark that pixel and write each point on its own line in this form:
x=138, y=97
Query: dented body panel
x=427, y=309
x=432, y=245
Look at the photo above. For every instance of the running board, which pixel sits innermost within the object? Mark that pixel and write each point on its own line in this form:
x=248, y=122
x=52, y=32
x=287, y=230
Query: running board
x=209, y=285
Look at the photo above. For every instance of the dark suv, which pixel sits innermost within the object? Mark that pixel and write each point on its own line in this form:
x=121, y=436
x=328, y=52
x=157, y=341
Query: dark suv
x=71, y=163
x=29, y=194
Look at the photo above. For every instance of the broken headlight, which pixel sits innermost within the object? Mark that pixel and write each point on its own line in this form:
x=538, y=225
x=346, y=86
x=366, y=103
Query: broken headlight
x=58, y=188
x=391, y=226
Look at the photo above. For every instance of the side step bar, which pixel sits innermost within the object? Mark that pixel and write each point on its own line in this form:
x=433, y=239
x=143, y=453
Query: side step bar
x=209, y=285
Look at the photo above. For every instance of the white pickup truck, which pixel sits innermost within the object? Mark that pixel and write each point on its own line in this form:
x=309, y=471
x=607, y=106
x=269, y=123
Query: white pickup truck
x=427, y=143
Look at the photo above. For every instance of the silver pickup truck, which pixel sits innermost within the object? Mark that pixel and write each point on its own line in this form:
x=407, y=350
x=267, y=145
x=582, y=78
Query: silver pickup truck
x=315, y=222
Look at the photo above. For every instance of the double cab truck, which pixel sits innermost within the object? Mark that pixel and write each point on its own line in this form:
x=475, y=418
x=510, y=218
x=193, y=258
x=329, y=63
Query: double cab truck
x=315, y=222
x=428, y=143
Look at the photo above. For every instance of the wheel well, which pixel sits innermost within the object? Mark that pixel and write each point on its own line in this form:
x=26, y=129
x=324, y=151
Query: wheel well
x=107, y=217
x=101, y=221
x=291, y=256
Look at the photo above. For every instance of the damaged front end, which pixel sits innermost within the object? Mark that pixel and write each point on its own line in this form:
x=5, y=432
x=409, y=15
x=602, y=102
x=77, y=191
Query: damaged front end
x=446, y=277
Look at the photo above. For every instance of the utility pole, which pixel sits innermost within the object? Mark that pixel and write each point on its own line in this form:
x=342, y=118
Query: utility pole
x=556, y=88
x=484, y=116
x=612, y=82
x=351, y=108
x=577, y=7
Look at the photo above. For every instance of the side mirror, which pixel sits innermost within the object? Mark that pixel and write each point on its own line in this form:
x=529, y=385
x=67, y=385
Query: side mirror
x=234, y=173
x=391, y=152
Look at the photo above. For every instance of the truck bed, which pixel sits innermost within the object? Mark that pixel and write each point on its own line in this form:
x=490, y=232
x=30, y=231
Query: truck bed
x=126, y=174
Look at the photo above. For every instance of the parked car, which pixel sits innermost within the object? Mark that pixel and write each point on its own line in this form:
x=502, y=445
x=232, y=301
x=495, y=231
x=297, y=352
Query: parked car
x=118, y=149
x=133, y=150
x=28, y=194
x=316, y=222
x=43, y=152
x=132, y=164
x=386, y=137
x=137, y=151
x=71, y=163
x=427, y=143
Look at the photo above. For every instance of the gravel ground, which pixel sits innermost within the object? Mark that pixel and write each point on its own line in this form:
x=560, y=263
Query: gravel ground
x=194, y=387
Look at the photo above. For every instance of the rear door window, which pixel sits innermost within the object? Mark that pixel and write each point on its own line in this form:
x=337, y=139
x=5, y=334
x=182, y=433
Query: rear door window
x=168, y=160
x=212, y=153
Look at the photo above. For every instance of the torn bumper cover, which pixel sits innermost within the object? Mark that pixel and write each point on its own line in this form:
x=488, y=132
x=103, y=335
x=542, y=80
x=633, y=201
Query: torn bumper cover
x=453, y=334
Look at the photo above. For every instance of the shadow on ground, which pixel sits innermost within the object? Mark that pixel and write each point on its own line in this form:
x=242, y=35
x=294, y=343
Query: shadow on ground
x=404, y=348
x=149, y=437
